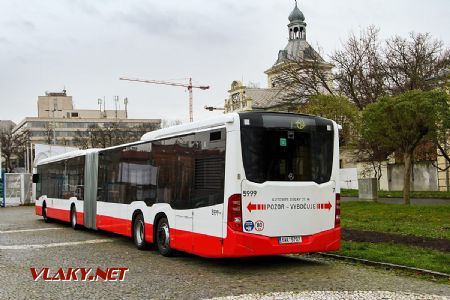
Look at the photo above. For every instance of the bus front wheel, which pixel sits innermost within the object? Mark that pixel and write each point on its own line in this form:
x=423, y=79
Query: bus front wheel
x=44, y=213
x=73, y=218
x=163, y=237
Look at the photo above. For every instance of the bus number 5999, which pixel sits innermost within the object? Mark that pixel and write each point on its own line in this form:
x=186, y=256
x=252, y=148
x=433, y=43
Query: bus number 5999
x=249, y=193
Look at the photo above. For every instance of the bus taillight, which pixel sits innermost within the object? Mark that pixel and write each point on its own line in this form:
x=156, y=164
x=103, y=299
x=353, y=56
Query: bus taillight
x=337, y=220
x=235, y=212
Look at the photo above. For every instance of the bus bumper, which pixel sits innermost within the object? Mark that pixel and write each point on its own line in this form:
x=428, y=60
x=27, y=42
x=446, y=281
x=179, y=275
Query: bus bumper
x=239, y=244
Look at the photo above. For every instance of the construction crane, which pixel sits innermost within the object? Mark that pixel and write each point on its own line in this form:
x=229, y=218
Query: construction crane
x=189, y=86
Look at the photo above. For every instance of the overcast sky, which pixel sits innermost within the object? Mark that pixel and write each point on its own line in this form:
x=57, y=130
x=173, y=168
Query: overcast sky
x=86, y=45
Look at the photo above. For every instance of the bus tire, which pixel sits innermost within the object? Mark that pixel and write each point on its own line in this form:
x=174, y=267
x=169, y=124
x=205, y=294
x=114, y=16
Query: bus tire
x=163, y=237
x=139, y=232
x=73, y=218
x=44, y=213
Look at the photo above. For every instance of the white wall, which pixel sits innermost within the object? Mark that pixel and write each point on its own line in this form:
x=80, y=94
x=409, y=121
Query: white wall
x=349, y=178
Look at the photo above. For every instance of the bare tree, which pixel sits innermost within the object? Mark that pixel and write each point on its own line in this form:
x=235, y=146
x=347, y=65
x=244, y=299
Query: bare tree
x=300, y=79
x=49, y=133
x=375, y=155
x=13, y=145
x=168, y=123
x=360, y=75
x=81, y=140
x=415, y=63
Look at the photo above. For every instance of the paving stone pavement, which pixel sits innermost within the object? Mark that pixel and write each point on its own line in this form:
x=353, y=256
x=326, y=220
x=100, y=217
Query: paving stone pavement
x=152, y=276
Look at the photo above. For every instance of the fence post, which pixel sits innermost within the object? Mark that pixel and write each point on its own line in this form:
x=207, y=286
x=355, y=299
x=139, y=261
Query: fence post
x=3, y=204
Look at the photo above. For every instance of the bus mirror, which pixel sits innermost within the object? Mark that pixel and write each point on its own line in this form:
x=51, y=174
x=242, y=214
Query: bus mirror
x=36, y=178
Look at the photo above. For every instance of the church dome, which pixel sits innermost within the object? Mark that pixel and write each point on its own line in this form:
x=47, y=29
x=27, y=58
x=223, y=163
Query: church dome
x=296, y=15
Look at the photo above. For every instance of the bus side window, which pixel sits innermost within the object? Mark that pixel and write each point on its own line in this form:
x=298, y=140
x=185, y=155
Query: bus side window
x=191, y=169
x=209, y=169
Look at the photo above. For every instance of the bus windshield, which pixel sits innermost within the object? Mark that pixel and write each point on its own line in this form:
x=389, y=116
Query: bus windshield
x=286, y=147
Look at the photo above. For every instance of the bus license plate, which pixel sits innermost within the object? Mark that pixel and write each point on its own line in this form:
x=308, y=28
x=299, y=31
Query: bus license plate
x=289, y=239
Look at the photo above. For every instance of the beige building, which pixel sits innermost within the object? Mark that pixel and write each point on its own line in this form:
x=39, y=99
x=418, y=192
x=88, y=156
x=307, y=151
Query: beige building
x=60, y=106
x=59, y=122
x=298, y=55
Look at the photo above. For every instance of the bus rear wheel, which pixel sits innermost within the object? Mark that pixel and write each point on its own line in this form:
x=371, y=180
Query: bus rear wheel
x=163, y=237
x=139, y=232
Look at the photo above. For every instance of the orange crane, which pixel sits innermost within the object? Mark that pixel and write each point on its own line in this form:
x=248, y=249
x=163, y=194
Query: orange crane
x=189, y=86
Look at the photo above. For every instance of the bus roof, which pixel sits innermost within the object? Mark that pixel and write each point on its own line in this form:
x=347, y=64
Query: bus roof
x=190, y=127
x=67, y=155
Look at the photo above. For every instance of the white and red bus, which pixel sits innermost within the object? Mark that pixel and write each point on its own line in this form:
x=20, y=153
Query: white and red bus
x=242, y=184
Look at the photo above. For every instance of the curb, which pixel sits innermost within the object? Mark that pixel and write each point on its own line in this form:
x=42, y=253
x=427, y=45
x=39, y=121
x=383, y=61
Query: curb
x=383, y=264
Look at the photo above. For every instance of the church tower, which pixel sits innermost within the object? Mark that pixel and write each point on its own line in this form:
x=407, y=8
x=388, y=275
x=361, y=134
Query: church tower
x=297, y=53
x=297, y=49
x=297, y=25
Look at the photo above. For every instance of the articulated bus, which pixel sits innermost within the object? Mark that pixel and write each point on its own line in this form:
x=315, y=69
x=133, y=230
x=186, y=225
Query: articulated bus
x=241, y=184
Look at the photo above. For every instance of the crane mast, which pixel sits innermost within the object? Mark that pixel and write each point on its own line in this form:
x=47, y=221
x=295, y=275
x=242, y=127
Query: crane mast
x=189, y=87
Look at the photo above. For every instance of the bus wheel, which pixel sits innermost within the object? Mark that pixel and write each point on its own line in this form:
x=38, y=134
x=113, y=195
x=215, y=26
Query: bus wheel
x=73, y=218
x=44, y=213
x=139, y=232
x=163, y=237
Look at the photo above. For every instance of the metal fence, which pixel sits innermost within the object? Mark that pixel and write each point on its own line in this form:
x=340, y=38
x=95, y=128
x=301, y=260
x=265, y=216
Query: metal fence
x=17, y=189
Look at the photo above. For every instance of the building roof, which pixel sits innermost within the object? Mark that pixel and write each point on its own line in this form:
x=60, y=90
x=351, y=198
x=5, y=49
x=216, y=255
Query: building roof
x=22, y=123
x=264, y=98
x=296, y=50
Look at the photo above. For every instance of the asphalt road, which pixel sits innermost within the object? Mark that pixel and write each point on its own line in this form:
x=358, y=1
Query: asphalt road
x=27, y=242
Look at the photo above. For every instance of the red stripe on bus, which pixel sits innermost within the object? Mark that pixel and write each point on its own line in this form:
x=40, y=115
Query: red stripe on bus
x=38, y=210
x=149, y=232
x=59, y=214
x=116, y=225
x=80, y=218
x=236, y=244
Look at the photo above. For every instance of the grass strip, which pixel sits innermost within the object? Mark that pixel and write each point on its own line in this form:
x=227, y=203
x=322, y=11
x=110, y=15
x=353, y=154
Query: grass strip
x=399, y=194
x=431, y=221
x=398, y=254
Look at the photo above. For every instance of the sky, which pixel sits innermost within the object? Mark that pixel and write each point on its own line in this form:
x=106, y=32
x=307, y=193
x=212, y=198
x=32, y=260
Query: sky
x=84, y=46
